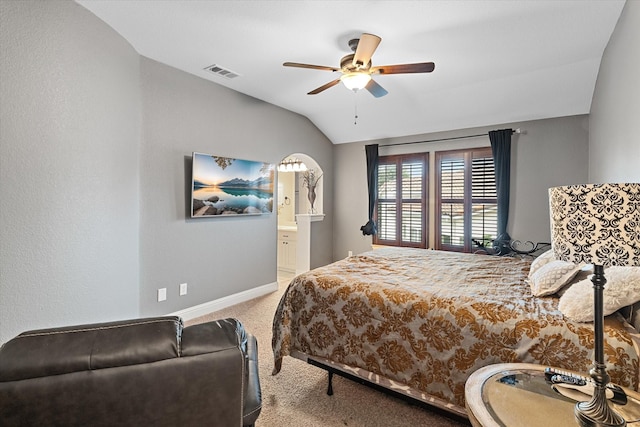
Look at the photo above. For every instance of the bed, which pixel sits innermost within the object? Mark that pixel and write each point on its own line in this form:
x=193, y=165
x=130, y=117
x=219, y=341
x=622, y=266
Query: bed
x=418, y=322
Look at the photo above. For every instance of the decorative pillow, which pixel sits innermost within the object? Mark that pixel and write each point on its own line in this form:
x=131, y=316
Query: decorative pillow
x=635, y=316
x=622, y=289
x=584, y=273
x=543, y=259
x=552, y=276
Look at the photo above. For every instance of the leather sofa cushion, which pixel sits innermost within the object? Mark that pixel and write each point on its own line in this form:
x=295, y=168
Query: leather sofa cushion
x=46, y=352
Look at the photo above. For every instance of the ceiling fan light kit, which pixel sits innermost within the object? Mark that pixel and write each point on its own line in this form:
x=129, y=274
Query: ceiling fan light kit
x=357, y=70
x=356, y=80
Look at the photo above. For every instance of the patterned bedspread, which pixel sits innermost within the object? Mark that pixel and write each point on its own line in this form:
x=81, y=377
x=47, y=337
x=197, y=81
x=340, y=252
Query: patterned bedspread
x=428, y=319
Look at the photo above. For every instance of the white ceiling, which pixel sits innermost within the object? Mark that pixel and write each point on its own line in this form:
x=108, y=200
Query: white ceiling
x=496, y=61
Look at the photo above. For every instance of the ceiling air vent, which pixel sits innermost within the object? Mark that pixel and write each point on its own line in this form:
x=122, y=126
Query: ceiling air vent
x=221, y=71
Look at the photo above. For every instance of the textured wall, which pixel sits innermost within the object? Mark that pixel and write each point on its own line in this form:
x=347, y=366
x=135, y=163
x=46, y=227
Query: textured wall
x=217, y=257
x=69, y=135
x=614, y=142
x=95, y=160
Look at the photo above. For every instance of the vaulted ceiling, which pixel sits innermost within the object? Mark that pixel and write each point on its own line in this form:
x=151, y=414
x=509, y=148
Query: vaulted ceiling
x=495, y=61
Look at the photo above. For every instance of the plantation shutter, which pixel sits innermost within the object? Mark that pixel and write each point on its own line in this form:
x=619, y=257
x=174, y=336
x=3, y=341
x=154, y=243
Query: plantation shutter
x=484, y=208
x=386, y=202
x=466, y=199
x=401, y=210
x=452, y=185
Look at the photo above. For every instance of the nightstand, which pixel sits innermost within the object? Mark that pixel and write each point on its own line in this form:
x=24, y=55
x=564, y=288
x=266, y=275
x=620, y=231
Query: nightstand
x=516, y=394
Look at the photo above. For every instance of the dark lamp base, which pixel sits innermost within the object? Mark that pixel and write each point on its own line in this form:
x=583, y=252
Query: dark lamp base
x=597, y=412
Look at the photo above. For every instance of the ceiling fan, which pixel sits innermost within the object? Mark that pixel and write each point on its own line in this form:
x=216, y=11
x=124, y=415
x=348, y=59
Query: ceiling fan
x=356, y=68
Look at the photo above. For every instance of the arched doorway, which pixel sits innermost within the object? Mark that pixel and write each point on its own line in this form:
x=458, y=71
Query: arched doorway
x=296, y=173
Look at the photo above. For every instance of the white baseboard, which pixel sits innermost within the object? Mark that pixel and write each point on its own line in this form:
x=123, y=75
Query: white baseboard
x=224, y=302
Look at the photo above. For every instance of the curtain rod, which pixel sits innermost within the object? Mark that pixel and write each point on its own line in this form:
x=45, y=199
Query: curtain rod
x=444, y=139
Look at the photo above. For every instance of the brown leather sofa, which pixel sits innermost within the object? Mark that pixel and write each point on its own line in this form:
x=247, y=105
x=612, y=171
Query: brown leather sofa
x=143, y=372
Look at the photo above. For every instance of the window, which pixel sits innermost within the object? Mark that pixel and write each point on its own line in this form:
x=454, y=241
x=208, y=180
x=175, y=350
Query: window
x=401, y=212
x=466, y=208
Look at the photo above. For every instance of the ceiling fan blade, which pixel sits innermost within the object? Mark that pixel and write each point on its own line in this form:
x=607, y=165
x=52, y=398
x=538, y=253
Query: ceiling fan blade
x=375, y=89
x=420, y=67
x=313, y=67
x=324, y=87
x=367, y=44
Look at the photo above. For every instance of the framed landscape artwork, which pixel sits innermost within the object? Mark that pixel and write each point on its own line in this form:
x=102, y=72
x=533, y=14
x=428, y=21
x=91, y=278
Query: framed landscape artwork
x=223, y=186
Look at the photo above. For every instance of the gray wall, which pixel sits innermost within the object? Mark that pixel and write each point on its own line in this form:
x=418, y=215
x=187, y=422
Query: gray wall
x=548, y=153
x=217, y=257
x=95, y=148
x=614, y=141
x=69, y=143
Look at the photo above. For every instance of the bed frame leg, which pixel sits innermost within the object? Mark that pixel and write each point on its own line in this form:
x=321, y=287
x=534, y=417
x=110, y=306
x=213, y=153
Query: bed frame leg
x=330, y=388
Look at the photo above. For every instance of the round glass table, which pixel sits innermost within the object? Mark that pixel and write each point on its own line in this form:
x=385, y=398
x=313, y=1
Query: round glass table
x=517, y=394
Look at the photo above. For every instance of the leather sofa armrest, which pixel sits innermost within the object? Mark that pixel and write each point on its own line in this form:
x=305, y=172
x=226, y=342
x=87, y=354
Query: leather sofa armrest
x=252, y=404
x=213, y=336
x=45, y=352
x=222, y=335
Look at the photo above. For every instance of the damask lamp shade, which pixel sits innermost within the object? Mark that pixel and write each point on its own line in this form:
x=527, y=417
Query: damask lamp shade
x=597, y=224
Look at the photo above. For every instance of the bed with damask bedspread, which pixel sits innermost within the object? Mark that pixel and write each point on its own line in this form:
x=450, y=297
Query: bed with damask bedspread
x=419, y=322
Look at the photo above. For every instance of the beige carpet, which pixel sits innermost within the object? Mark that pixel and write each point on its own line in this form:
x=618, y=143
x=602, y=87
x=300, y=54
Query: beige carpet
x=297, y=395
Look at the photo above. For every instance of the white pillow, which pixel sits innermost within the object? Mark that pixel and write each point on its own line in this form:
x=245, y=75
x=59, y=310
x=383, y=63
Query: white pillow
x=543, y=259
x=584, y=273
x=551, y=277
x=622, y=289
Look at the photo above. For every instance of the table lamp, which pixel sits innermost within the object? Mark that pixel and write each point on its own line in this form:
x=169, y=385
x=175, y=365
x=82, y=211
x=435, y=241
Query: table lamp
x=597, y=224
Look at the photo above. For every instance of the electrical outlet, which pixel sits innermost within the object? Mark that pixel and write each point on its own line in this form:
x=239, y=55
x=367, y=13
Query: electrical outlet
x=183, y=289
x=162, y=294
x=350, y=253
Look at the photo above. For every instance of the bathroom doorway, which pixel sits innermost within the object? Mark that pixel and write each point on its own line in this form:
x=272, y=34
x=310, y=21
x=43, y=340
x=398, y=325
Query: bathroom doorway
x=294, y=250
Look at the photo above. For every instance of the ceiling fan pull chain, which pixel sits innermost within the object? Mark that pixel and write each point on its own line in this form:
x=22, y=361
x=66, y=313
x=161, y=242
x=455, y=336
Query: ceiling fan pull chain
x=355, y=113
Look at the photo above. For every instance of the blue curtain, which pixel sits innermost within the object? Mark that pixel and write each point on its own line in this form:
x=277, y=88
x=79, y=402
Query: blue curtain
x=501, y=149
x=372, y=182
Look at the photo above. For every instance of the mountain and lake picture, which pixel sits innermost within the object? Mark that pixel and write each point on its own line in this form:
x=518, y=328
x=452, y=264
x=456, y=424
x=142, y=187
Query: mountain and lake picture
x=227, y=186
